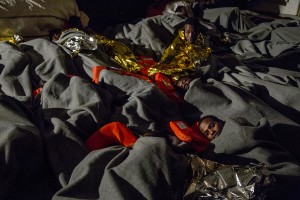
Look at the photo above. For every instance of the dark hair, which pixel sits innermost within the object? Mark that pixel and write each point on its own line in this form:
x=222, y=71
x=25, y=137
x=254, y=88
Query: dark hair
x=214, y=118
x=198, y=9
x=75, y=22
x=192, y=21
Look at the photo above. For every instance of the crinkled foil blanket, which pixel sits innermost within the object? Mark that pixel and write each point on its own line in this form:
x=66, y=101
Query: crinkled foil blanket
x=212, y=180
x=179, y=60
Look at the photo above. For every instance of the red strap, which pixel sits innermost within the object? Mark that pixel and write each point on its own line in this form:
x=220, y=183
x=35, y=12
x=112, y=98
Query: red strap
x=96, y=73
x=190, y=134
x=123, y=72
x=37, y=91
x=164, y=83
x=146, y=61
x=199, y=141
x=145, y=70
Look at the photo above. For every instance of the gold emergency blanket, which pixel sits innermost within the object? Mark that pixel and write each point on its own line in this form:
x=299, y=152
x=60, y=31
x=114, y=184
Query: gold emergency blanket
x=115, y=49
x=14, y=39
x=120, y=52
x=181, y=58
x=212, y=180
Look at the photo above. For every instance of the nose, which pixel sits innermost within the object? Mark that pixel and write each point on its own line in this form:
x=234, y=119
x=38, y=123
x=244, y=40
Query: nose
x=211, y=131
x=189, y=35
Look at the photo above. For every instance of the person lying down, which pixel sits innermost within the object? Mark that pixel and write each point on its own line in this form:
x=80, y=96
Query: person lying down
x=197, y=137
x=181, y=59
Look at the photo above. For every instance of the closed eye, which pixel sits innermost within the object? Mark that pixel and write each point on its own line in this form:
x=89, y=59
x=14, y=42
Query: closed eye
x=206, y=133
x=211, y=125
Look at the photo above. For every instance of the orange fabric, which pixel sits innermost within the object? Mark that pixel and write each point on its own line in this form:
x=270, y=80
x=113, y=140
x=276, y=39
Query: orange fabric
x=110, y=134
x=190, y=134
x=144, y=71
x=164, y=83
x=123, y=72
x=96, y=73
x=146, y=61
x=98, y=141
x=120, y=132
x=181, y=130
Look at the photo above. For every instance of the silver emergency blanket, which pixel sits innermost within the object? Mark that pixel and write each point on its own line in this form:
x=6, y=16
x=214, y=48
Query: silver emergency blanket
x=212, y=180
x=79, y=43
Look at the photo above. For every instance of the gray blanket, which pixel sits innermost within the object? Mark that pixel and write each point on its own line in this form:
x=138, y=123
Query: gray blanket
x=43, y=136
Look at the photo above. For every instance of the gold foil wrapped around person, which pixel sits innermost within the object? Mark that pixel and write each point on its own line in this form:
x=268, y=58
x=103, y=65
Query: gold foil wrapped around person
x=120, y=53
x=179, y=61
x=187, y=52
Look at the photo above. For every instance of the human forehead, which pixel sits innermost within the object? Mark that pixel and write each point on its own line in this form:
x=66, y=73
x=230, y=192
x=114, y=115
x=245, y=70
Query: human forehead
x=189, y=27
x=205, y=122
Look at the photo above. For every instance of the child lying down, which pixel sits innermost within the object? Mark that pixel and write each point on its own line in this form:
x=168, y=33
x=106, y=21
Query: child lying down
x=197, y=137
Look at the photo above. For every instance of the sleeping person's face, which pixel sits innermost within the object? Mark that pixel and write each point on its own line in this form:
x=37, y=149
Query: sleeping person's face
x=210, y=128
x=184, y=83
x=190, y=33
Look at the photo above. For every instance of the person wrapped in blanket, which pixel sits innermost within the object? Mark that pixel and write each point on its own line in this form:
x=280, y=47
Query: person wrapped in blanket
x=197, y=137
x=179, y=61
x=186, y=52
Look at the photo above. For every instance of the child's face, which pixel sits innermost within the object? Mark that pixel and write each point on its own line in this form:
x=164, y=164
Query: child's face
x=184, y=83
x=190, y=33
x=210, y=128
